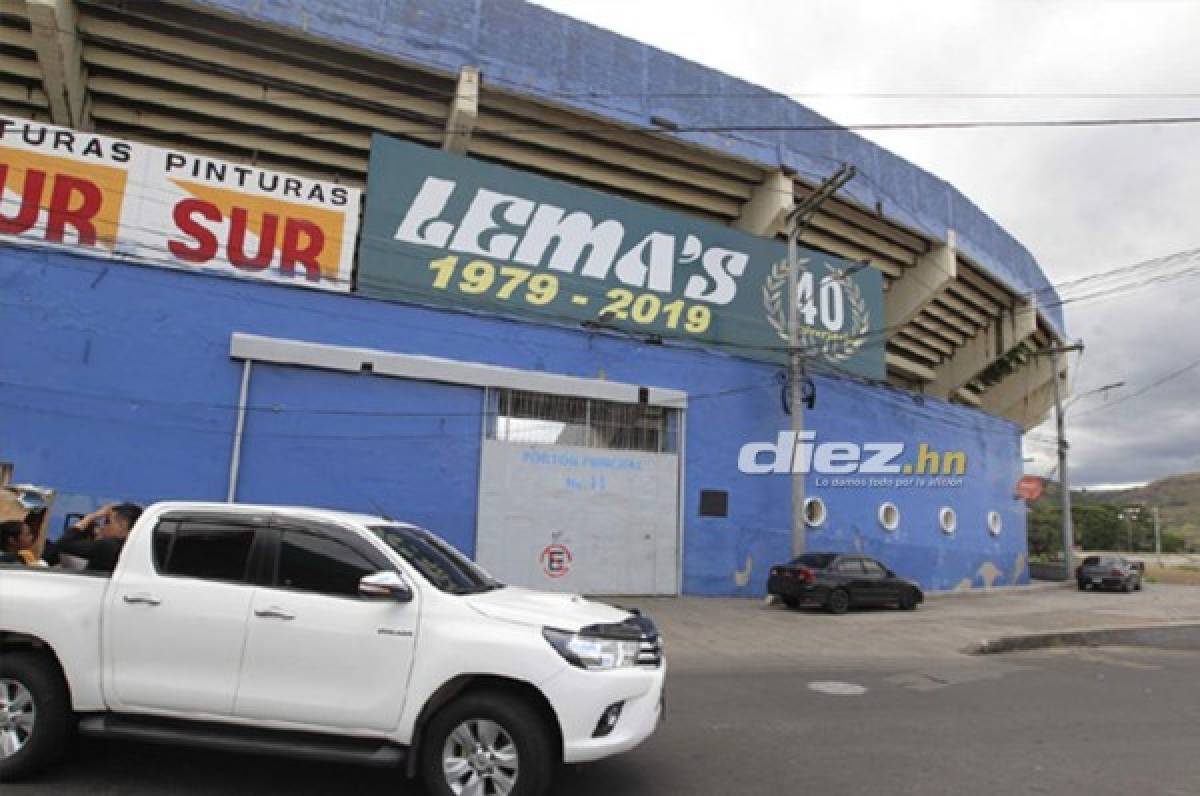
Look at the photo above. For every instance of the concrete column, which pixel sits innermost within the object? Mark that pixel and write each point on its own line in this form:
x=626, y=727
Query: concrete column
x=464, y=112
x=1027, y=395
x=921, y=284
x=55, y=28
x=989, y=344
x=768, y=208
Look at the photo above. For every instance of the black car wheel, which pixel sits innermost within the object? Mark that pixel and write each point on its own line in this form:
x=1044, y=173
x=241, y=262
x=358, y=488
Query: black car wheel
x=791, y=602
x=1083, y=585
x=1137, y=585
x=487, y=743
x=36, y=722
x=908, y=600
x=838, y=601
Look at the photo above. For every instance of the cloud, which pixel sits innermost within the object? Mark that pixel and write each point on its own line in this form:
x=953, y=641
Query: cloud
x=1138, y=338
x=1083, y=200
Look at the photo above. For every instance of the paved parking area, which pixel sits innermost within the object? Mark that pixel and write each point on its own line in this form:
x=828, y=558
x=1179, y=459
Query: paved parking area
x=1112, y=721
x=722, y=633
x=762, y=700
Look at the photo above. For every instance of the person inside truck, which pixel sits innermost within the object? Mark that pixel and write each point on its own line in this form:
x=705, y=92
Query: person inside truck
x=99, y=536
x=17, y=541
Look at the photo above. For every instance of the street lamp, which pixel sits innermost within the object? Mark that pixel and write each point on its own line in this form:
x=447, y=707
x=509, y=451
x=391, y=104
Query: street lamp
x=1105, y=388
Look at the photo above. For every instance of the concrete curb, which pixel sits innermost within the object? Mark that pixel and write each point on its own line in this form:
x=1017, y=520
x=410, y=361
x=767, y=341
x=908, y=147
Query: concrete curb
x=1179, y=636
x=1001, y=591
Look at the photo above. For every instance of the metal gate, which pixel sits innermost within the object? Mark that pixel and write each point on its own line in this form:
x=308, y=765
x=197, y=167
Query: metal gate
x=589, y=519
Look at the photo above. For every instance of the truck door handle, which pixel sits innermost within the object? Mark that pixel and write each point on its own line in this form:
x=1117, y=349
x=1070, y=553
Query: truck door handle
x=275, y=612
x=141, y=599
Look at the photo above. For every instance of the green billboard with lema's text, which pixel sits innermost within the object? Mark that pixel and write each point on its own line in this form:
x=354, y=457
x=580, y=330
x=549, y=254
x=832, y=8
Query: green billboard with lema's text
x=451, y=231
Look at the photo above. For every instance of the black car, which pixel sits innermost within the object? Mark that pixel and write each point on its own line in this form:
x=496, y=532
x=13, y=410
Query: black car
x=838, y=581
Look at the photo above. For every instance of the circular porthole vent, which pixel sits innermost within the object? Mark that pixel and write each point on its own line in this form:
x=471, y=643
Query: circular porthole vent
x=948, y=519
x=889, y=516
x=995, y=524
x=815, y=512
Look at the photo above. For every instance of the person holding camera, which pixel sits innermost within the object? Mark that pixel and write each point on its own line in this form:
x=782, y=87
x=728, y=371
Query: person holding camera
x=100, y=536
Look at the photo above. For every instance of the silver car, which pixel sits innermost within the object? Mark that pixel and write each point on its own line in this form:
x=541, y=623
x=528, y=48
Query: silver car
x=1109, y=572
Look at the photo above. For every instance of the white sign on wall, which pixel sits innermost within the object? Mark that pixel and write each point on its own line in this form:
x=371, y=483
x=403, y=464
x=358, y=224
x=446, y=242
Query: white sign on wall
x=580, y=520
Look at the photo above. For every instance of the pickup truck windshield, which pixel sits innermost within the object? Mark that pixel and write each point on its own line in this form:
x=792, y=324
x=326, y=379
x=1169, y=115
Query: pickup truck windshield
x=440, y=564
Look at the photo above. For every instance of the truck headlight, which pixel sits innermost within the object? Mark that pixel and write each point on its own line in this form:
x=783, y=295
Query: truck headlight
x=592, y=652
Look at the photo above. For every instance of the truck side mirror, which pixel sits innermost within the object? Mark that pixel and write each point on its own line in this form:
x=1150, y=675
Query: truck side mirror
x=387, y=585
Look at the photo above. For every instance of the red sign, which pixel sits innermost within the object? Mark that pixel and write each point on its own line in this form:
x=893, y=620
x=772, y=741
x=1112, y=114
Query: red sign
x=556, y=560
x=1031, y=487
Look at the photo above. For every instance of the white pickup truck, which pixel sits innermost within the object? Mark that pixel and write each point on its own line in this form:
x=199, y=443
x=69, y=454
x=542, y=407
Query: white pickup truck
x=323, y=635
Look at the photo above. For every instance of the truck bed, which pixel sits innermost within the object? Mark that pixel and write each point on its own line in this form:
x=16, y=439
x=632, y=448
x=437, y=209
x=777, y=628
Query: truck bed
x=62, y=608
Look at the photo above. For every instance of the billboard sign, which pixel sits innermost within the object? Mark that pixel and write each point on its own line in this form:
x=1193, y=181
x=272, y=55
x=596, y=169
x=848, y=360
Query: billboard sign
x=447, y=230
x=119, y=199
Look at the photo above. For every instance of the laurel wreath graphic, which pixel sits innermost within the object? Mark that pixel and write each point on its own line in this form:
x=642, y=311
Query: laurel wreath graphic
x=834, y=346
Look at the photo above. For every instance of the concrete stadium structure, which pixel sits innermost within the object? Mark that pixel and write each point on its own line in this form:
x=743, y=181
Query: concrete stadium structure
x=122, y=381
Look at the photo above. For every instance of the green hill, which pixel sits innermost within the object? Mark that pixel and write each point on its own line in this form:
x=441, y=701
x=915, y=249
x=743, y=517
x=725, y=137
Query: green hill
x=1177, y=498
x=1101, y=522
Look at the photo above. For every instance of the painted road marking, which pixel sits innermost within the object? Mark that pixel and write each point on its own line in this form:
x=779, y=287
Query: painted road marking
x=834, y=688
x=577, y=299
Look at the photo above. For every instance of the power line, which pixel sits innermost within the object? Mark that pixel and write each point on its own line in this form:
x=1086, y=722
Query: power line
x=768, y=94
x=667, y=127
x=752, y=92
x=1070, y=283
x=1168, y=377
x=1186, y=258
x=664, y=126
x=280, y=409
x=879, y=335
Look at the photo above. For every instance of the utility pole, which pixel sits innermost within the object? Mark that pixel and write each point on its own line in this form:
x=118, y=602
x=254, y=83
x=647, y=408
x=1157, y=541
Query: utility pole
x=1068, y=530
x=1063, y=482
x=797, y=221
x=1157, y=535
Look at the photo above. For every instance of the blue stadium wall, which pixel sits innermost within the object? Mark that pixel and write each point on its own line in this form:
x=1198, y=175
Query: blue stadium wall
x=116, y=383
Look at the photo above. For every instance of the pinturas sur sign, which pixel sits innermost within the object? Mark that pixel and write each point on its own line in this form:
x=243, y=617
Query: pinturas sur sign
x=113, y=198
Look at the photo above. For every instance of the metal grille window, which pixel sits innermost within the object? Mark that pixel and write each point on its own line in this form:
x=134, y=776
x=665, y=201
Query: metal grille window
x=539, y=419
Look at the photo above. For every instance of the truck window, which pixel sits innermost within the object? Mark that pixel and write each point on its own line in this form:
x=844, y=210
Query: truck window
x=208, y=550
x=164, y=534
x=311, y=562
x=439, y=563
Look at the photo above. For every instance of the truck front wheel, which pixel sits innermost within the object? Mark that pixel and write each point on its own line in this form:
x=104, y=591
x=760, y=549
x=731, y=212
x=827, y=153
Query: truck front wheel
x=36, y=721
x=487, y=743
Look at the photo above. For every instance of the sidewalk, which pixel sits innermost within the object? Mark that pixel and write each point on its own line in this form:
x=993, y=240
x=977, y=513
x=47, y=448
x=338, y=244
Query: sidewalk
x=719, y=633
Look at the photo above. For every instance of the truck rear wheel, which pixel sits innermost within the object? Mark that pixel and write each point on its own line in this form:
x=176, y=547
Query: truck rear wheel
x=487, y=743
x=36, y=721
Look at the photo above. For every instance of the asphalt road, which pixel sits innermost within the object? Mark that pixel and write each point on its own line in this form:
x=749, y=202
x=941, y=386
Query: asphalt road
x=1067, y=721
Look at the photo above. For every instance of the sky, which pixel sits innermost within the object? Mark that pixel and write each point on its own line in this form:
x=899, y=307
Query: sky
x=1082, y=200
